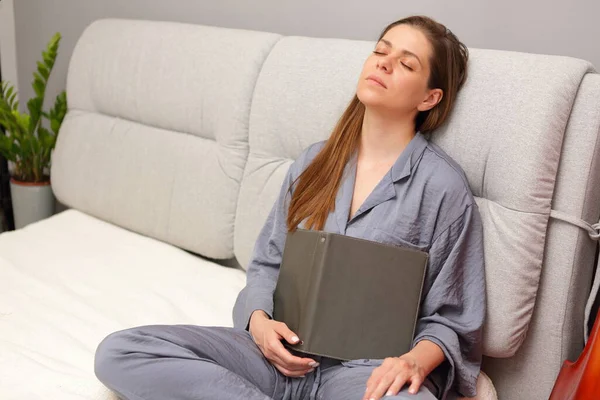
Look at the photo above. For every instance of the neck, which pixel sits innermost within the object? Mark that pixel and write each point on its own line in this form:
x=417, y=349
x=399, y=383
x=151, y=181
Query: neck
x=383, y=138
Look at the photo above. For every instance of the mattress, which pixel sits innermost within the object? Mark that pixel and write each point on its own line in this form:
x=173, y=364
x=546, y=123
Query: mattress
x=68, y=281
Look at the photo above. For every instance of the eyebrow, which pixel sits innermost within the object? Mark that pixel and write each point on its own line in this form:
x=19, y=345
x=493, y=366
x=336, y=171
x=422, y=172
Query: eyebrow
x=406, y=52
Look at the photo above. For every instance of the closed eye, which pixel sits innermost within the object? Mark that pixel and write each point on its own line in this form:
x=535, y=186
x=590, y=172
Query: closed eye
x=379, y=53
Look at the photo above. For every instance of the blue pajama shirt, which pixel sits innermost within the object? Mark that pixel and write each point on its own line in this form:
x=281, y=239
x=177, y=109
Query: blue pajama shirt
x=423, y=202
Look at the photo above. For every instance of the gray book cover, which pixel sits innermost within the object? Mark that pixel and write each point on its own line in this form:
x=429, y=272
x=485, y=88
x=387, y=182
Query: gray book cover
x=349, y=298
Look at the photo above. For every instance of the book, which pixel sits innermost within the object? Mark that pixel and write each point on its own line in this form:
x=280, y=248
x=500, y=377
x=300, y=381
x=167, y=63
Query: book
x=349, y=298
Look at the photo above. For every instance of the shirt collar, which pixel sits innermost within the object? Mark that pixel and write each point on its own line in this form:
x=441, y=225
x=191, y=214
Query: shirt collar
x=408, y=158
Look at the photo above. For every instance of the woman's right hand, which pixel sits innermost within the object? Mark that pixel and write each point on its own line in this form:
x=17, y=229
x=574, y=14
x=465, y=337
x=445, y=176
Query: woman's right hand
x=268, y=334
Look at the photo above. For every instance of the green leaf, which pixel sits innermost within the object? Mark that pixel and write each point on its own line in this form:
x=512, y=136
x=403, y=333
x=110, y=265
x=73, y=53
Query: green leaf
x=42, y=133
x=12, y=103
x=35, y=107
x=22, y=121
x=55, y=126
x=58, y=112
x=39, y=88
x=43, y=70
x=47, y=140
x=8, y=93
x=35, y=113
x=8, y=113
x=25, y=148
x=6, y=147
x=39, y=78
x=16, y=150
x=49, y=60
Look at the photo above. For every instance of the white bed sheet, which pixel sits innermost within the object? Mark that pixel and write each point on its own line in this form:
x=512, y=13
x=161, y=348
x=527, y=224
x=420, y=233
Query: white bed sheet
x=68, y=281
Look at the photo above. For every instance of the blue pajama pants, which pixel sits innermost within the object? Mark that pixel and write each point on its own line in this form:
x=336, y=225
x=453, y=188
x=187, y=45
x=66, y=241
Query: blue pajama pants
x=189, y=362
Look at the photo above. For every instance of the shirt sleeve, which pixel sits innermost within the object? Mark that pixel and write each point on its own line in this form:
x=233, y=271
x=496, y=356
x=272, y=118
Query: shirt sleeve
x=263, y=270
x=453, y=309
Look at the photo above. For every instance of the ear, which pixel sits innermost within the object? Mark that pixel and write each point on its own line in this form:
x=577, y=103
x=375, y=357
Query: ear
x=434, y=96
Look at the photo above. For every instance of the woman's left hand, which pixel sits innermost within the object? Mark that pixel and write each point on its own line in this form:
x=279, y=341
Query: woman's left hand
x=389, y=378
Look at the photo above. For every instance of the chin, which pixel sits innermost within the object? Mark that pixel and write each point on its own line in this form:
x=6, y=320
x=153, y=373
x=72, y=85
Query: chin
x=370, y=98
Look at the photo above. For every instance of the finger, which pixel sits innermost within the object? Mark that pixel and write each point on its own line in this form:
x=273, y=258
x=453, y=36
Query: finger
x=416, y=382
x=374, y=379
x=289, y=360
x=286, y=333
x=286, y=371
x=276, y=361
x=277, y=356
x=292, y=374
x=396, y=386
x=383, y=386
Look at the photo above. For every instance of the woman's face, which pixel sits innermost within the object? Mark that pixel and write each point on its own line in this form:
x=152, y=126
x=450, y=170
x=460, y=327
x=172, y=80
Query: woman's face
x=395, y=76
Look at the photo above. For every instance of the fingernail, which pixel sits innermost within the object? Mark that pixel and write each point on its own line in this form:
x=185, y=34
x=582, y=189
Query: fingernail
x=295, y=339
x=388, y=393
x=314, y=364
x=412, y=391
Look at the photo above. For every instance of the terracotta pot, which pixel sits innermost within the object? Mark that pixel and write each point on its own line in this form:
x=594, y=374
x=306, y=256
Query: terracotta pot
x=31, y=202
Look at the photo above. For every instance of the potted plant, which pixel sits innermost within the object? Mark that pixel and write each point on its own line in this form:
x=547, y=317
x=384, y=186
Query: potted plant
x=29, y=140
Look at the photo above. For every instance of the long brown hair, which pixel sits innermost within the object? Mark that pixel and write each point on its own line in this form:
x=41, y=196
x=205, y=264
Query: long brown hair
x=317, y=186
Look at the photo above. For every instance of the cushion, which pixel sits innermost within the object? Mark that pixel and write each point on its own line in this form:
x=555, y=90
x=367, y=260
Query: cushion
x=156, y=135
x=555, y=333
x=507, y=133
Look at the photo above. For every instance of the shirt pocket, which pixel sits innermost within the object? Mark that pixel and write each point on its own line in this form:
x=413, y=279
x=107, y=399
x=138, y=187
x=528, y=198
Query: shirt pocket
x=397, y=237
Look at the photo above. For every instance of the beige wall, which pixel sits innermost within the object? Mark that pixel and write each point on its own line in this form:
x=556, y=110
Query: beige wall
x=540, y=26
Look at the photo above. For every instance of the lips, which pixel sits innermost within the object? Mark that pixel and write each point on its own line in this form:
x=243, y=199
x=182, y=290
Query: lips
x=376, y=79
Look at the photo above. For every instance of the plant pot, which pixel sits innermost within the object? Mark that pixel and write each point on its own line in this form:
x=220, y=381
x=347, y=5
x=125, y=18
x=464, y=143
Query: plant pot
x=31, y=202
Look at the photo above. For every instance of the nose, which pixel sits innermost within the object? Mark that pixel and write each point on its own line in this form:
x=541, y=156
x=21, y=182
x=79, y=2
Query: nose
x=384, y=64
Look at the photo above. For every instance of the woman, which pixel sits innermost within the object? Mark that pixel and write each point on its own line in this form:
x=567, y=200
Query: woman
x=378, y=178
